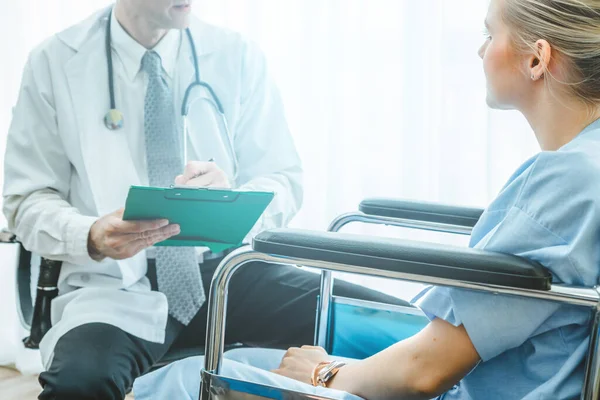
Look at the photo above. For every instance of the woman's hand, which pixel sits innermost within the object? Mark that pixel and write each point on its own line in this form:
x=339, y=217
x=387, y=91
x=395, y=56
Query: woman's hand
x=421, y=367
x=299, y=363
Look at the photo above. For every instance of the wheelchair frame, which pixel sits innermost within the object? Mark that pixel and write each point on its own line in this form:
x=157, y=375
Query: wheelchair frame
x=426, y=216
x=215, y=386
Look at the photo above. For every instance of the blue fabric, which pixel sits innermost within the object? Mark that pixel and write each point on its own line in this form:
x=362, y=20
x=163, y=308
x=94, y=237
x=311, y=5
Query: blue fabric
x=549, y=211
x=181, y=380
x=361, y=331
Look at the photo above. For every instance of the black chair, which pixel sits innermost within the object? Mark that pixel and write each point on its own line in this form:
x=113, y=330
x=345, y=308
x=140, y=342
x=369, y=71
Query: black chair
x=35, y=315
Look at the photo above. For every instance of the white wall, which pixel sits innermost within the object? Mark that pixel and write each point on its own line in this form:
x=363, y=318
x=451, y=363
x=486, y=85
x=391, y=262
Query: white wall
x=384, y=97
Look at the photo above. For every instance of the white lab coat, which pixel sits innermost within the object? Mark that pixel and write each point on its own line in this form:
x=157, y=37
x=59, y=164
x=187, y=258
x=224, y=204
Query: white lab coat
x=64, y=168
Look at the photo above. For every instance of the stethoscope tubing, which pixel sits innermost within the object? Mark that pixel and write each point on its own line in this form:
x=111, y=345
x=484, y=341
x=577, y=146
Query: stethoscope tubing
x=114, y=118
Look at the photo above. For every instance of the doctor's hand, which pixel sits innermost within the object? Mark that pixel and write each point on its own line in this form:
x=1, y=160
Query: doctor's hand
x=203, y=174
x=114, y=238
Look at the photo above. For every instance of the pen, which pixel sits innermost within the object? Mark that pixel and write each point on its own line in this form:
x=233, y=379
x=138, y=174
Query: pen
x=196, y=176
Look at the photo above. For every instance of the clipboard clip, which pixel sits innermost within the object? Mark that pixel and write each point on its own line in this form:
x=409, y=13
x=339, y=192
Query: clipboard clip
x=192, y=193
x=197, y=187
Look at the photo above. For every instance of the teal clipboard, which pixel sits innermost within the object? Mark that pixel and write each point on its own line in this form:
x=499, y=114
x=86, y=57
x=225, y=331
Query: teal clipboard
x=216, y=218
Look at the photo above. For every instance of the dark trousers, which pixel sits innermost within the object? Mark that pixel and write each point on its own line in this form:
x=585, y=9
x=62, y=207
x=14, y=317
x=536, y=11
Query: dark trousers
x=268, y=306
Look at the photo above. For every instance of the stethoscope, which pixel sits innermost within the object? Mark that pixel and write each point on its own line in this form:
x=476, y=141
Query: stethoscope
x=114, y=119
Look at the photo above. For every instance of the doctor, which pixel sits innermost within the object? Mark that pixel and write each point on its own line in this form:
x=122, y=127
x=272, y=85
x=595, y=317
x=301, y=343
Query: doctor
x=100, y=110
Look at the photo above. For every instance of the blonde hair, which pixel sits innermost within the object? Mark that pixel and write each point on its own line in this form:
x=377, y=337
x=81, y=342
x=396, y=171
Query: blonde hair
x=572, y=27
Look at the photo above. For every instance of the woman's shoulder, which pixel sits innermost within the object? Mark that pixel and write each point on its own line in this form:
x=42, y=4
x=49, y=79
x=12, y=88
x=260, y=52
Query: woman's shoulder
x=554, y=186
x=553, y=203
x=562, y=187
x=572, y=169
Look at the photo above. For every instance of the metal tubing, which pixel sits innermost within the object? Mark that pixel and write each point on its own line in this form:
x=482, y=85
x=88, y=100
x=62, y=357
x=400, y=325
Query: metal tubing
x=591, y=384
x=358, y=216
x=324, y=311
x=217, y=303
x=559, y=293
x=326, y=291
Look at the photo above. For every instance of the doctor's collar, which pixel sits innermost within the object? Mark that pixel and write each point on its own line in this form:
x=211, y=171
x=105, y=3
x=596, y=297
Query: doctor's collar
x=130, y=52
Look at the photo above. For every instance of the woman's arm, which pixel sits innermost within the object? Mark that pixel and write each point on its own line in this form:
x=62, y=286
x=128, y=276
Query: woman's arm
x=421, y=367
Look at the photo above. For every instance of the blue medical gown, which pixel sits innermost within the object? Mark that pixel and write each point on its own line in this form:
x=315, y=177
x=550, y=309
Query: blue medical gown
x=549, y=211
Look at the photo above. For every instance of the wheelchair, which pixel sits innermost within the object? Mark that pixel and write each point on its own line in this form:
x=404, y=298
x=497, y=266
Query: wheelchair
x=332, y=251
x=411, y=261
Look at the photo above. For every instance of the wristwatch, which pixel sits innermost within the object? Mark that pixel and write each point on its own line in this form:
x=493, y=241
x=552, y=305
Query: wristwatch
x=325, y=371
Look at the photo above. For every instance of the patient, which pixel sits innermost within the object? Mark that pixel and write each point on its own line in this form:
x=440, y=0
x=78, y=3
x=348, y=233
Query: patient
x=542, y=58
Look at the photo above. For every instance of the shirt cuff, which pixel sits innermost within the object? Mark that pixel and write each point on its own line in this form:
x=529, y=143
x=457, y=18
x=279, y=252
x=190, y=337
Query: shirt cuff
x=78, y=230
x=494, y=323
x=436, y=302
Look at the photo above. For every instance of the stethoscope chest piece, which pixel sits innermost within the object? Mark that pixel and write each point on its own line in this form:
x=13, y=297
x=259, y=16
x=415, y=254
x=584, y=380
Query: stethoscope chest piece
x=113, y=120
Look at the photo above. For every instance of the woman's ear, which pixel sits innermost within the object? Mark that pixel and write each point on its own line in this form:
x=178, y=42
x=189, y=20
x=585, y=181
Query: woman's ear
x=539, y=63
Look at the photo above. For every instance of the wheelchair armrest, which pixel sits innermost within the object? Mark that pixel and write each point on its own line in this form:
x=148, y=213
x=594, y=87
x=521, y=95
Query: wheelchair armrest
x=421, y=211
x=404, y=256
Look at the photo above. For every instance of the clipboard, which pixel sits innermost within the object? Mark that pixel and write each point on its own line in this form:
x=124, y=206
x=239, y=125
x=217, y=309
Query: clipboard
x=215, y=218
